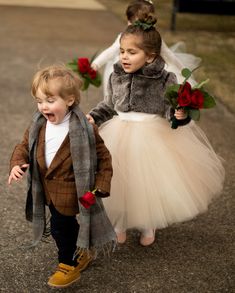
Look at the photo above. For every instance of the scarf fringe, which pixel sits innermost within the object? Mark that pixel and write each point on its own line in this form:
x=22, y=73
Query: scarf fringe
x=47, y=230
x=106, y=250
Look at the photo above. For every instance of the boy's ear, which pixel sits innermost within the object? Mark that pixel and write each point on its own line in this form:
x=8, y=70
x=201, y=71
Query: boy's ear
x=70, y=100
x=151, y=57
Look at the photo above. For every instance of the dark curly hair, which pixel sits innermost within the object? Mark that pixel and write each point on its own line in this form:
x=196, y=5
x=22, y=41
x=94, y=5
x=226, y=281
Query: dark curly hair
x=145, y=28
x=137, y=8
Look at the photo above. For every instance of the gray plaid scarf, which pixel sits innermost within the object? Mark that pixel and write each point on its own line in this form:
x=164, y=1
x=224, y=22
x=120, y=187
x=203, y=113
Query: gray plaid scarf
x=96, y=230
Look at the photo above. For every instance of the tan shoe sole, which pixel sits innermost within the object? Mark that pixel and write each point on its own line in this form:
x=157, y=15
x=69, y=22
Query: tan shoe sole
x=63, y=286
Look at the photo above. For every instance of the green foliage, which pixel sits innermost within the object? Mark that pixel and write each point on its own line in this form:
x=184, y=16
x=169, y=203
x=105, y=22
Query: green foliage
x=72, y=66
x=201, y=84
x=172, y=94
x=85, y=84
x=209, y=101
x=194, y=114
x=186, y=73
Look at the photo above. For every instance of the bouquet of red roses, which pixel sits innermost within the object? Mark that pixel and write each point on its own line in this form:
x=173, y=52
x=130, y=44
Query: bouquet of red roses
x=191, y=99
x=82, y=66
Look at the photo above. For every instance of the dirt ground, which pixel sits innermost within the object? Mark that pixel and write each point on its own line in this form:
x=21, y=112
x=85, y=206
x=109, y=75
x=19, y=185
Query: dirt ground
x=197, y=256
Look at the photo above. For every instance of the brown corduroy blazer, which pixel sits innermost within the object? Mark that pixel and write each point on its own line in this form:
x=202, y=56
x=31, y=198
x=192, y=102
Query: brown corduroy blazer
x=58, y=180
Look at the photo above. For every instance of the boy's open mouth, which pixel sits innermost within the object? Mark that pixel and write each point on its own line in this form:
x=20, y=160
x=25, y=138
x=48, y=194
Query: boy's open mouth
x=49, y=116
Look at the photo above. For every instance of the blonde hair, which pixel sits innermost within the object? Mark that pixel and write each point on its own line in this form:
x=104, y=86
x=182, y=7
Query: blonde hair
x=69, y=82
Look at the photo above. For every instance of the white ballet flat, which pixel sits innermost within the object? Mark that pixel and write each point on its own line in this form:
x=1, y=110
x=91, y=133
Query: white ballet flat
x=121, y=236
x=147, y=237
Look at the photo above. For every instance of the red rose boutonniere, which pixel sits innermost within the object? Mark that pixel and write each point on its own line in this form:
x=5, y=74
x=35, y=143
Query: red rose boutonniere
x=82, y=66
x=88, y=199
x=191, y=99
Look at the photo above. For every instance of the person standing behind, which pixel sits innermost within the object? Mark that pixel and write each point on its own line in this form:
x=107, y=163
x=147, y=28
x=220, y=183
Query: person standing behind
x=175, y=60
x=161, y=176
x=65, y=157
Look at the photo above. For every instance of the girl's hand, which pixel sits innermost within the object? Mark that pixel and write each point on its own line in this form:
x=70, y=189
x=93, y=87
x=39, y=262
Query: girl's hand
x=180, y=114
x=90, y=119
x=17, y=172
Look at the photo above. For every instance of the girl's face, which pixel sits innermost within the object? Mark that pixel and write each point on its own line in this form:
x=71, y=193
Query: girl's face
x=132, y=57
x=54, y=108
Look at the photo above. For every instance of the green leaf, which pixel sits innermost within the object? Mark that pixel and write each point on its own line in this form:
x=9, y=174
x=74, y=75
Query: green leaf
x=73, y=67
x=194, y=114
x=200, y=85
x=173, y=87
x=186, y=73
x=96, y=82
x=172, y=91
x=85, y=84
x=171, y=95
x=173, y=102
x=209, y=101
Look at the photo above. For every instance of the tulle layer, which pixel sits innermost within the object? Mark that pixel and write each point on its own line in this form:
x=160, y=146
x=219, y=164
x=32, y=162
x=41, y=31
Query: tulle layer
x=161, y=176
x=176, y=59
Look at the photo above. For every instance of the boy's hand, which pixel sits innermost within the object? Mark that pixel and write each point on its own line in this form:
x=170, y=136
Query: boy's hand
x=17, y=172
x=101, y=193
x=90, y=119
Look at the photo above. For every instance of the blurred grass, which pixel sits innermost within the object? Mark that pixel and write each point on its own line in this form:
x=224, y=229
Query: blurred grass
x=211, y=37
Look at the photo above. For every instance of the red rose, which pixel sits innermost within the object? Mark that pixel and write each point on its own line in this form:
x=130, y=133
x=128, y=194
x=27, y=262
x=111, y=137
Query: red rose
x=83, y=65
x=184, y=95
x=92, y=73
x=88, y=199
x=197, y=99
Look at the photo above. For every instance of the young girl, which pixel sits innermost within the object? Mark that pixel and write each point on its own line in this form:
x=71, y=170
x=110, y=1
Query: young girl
x=174, y=57
x=161, y=176
x=66, y=157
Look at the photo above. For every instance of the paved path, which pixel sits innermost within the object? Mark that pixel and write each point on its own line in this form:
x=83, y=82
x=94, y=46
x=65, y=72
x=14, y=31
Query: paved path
x=197, y=256
x=79, y=4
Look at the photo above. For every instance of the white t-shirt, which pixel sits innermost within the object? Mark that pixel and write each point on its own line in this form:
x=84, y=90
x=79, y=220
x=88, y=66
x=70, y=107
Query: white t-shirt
x=55, y=135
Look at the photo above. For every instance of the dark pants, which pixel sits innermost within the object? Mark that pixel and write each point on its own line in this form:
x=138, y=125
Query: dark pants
x=64, y=230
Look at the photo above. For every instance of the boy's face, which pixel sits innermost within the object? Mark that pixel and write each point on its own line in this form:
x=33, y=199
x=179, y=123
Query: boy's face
x=132, y=57
x=54, y=108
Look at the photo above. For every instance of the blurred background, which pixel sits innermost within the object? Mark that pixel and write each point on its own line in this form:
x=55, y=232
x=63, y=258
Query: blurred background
x=196, y=256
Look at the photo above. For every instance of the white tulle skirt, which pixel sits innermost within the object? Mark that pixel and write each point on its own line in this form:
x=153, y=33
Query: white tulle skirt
x=161, y=176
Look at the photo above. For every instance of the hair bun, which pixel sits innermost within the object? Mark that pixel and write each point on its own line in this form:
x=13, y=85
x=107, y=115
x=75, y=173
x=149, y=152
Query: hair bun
x=146, y=23
x=150, y=19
